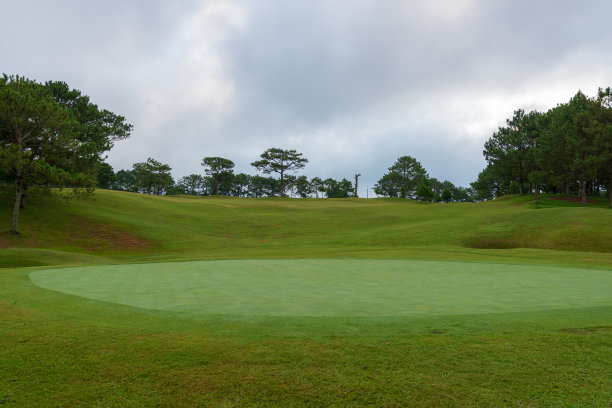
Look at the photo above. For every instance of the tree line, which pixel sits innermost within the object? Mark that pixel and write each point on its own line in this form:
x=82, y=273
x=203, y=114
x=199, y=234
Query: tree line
x=565, y=150
x=406, y=179
x=154, y=177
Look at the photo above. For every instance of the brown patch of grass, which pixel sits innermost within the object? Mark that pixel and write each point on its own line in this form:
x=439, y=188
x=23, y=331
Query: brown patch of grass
x=8, y=311
x=4, y=242
x=572, y=199
x=492, y=243
x=587, y=330
x=95, y=235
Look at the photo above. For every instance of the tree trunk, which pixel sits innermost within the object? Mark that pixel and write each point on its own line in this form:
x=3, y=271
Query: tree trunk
x=24, y=195
x=610, y=185
x=282, y=186
x=521, y=192
x=16, y=207
x=583, y=191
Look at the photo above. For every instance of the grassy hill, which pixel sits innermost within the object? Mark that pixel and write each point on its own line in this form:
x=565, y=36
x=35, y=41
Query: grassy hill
x=131, y=227
x=58, y=349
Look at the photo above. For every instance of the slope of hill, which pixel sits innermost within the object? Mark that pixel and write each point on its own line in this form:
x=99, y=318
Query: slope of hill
x=114, y=226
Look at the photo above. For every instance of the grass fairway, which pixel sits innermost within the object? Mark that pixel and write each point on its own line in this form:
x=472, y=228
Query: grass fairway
x=334, y=287
x=130, y=300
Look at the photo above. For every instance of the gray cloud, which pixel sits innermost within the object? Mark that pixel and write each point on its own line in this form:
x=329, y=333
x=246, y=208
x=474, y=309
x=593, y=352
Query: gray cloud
x=351, y=84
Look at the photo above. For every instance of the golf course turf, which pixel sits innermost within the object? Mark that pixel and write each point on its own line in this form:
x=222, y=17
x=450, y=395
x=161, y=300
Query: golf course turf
x=307, y=287
x=132, y=300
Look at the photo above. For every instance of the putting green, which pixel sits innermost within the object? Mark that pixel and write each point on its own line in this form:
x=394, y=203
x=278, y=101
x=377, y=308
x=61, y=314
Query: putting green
x=306, y=287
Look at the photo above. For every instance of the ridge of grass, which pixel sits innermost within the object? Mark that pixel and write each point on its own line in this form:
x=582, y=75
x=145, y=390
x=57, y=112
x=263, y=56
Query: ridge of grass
x=120, y=225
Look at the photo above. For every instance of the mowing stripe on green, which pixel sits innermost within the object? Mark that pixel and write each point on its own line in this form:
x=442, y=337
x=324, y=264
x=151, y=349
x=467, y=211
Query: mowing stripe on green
x=307, y=287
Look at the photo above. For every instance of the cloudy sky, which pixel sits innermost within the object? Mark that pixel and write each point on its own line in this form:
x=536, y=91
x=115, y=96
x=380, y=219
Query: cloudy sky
x=352, y=84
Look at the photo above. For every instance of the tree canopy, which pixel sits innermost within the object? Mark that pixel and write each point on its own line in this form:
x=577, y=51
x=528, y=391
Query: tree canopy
x=51, y=136
x=98, y=129
x=152, y=177
x=275, y=160
x=219, y=168
x=403, y=178
x=567, y=149
x=338, y=189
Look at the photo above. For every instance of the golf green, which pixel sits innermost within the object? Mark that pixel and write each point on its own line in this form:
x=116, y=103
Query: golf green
x=307, y=287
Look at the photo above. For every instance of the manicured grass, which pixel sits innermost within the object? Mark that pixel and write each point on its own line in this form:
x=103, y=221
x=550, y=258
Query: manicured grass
x=308, y=287
x=515, y=303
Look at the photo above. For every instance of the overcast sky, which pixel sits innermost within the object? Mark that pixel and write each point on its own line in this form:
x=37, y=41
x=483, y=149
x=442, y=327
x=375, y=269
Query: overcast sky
x=351, y=84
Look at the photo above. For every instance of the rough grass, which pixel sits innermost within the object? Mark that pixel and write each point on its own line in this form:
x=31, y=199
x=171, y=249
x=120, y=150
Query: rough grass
x=131, y=227
x=57, y=349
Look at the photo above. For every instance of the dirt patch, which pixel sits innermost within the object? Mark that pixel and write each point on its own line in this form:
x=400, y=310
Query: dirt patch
x=94, y=236
x=4, y=242
x=572, y=199
x=492, y=243
x=119, y=238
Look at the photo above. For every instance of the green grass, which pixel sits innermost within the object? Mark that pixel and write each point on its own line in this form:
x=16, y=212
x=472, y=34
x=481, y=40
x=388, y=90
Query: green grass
x=334, y=287
x=390, y=303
